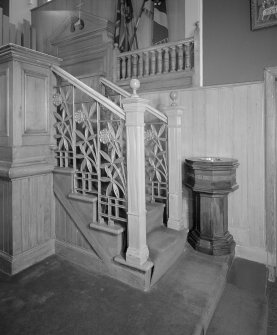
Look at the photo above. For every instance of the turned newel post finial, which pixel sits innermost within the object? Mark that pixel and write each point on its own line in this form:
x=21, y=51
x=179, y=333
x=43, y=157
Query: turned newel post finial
x=173, y=96
x=135, y=85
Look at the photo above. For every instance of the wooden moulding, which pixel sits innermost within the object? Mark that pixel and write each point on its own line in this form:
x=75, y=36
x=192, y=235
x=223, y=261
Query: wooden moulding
x=14, y=264
x=270, y=75
x=11, y=52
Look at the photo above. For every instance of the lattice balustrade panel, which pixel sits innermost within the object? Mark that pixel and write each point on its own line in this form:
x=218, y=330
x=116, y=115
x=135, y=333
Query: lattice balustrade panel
x=91, y=140
x=62, y=99
x=156, y=162
x=112, y=159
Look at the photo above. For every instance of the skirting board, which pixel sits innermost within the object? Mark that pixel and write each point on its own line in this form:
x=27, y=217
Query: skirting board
x=79, y=256
x=14, y=264
x=258, y=255
x=87, y=260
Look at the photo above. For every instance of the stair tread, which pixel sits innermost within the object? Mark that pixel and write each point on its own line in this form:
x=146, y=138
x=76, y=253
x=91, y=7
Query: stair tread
x=153, y=205
x=163, y=238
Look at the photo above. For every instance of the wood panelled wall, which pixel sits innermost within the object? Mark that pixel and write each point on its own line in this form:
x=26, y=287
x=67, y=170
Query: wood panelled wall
x=228, y=121
x=66, y=230
x=5, y=216
x=33, y=212
x=26, y=180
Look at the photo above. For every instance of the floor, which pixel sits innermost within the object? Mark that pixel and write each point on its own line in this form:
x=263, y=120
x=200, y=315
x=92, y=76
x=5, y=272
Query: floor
x=243, y=307
x=272, y=308
x=57, y=297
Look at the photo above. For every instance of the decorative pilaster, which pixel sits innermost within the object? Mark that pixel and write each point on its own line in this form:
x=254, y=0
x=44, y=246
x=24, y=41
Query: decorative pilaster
x=137, y=252
x=174, y=115
x=26, y=184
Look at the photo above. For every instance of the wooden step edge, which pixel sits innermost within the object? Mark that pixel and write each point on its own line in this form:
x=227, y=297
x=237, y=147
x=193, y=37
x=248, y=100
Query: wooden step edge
x=113, y=230
x=82, y=197
x=146, y=267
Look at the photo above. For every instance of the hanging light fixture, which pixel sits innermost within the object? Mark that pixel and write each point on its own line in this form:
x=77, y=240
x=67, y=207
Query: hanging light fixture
x=76, y=21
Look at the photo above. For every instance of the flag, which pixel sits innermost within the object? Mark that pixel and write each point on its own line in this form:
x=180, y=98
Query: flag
x=124, y=25
x=160, y=26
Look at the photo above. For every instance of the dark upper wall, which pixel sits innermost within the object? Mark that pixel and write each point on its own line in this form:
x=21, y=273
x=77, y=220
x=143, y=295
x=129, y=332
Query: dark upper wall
x=5, y=4
x=231, y=51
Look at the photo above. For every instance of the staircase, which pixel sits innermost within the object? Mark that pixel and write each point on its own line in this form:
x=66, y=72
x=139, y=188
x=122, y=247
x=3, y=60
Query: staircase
x=91, y=180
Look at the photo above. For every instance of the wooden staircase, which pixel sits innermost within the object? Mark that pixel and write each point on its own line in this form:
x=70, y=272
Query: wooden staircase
x=108, y=243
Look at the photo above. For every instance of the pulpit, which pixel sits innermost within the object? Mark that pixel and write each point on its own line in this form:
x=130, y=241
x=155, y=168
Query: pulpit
x=211, y=180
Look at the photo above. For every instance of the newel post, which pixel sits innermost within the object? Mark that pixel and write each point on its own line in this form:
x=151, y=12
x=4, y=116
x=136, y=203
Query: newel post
x=174, y=115
x=137, y=252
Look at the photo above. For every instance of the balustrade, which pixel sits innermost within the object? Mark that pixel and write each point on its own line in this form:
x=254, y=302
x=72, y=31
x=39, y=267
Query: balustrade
x=90, y=141
x=156, y=60
x=93, y=140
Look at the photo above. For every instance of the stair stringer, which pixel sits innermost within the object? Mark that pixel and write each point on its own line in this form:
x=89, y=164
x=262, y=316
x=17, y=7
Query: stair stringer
x=102, y=261
x=81, y=224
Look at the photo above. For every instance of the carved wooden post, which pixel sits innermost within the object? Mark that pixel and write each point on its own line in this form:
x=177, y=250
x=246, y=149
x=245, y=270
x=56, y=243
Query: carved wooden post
x=137, y=252
x=180, y=57
x=141, y=64
x=173, y=58
x=187, y=56
x=129, y=66
x=196, y=76
x=153, y=62
x=166, y=60
x=123, y=69
x=174, y=114
x=146, y=69
x=116, y=64
x=135, y=65
x=160, y=61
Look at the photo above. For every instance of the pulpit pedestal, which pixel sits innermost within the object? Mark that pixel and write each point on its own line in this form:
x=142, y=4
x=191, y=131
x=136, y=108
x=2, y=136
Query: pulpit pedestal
x=211, y=180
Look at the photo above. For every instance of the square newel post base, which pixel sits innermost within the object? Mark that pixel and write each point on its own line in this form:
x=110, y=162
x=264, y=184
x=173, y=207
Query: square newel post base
x=137, y=257
x=176, y=224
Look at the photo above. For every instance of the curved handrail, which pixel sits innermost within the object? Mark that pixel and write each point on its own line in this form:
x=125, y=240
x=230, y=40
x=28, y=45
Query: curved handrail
x=89, y=91
x=126, y=94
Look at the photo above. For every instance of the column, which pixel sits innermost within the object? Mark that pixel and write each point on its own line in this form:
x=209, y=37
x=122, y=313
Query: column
x=174, y=115
x=137, y=252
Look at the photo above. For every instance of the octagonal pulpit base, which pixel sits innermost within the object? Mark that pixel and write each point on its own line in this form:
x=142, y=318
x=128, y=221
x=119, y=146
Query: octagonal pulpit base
x=217, y=246
x=211, y=180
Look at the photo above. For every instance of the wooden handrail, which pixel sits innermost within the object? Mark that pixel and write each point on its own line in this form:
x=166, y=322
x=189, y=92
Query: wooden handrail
x=115, y=87
x=89, y=91
x=156, y=47
x=126, y=94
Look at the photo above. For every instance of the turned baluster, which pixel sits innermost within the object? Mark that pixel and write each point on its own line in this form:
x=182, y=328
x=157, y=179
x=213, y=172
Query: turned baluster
x=129, y=67
x=160, y=61
x=180, y=57
x=153, y=62
x=135, y=65
x=123, y=67
x=116, y=63
x=118, y=68
x=166, y=60
x=173, y=58
x=187, y=56
x=140, y=65
x=146, y=69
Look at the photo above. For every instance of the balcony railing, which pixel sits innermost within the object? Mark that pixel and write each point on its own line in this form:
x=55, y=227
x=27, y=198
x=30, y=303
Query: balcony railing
x=171, y=60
